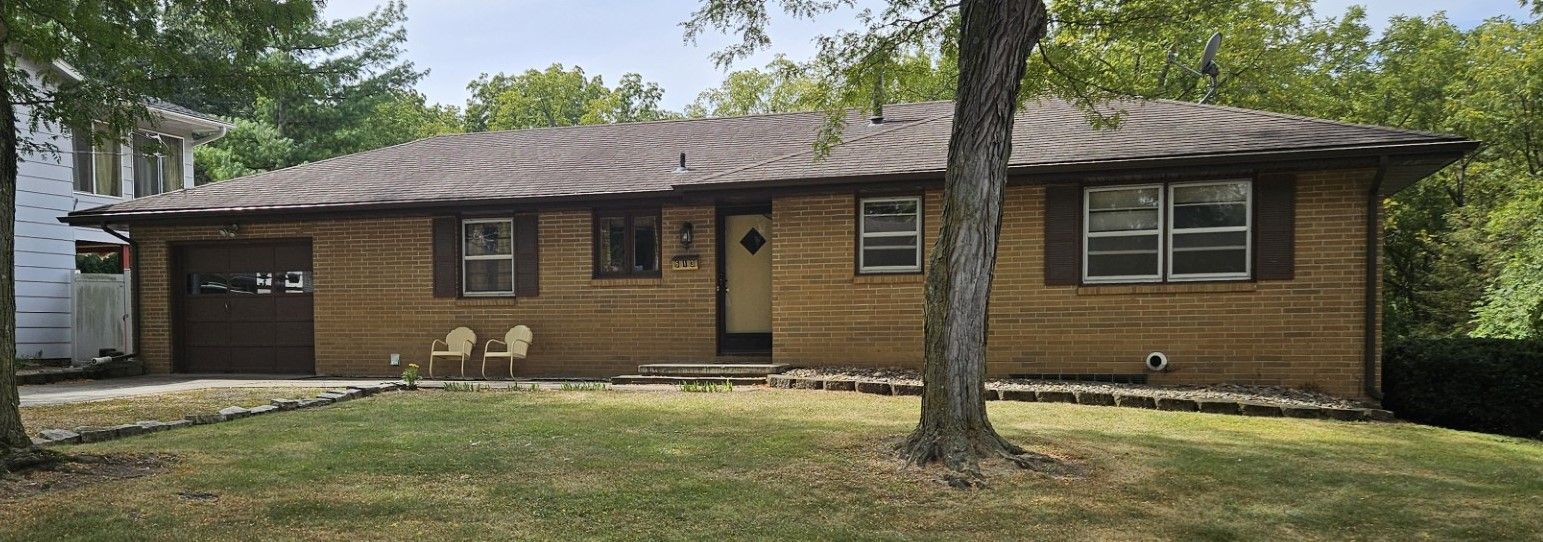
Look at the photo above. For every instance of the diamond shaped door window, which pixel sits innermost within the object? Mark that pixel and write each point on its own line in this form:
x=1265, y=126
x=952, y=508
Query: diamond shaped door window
x=753, y=241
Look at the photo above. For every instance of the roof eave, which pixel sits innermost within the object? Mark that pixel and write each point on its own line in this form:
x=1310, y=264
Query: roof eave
x=1453, y=149
x=1436, y=154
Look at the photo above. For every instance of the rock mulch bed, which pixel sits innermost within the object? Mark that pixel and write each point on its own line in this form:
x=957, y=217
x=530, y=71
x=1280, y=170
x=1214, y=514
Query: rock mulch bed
x=1230, y=399
x=79, y=435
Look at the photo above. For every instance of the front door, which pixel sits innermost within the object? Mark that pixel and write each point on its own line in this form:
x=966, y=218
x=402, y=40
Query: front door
x=745, y=280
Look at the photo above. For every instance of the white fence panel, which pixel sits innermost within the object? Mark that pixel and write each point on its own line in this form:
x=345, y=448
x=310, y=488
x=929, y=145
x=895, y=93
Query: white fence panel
x=102, y=313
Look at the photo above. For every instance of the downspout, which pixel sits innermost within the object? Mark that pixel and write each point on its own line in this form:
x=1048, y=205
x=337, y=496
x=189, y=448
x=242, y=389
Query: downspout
x=1372, y=303
x=133, y=290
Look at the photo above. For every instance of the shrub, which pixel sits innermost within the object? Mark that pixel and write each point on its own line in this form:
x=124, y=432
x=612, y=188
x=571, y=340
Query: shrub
x=1489, y=385
x=410, y=376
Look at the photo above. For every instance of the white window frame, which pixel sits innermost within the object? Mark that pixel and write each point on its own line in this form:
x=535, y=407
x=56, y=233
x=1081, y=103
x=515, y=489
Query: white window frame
x=95, y=150
x=863, y=235
x=160, y=158
x=1246, y=228
x=461, y=238
x=1162, y=207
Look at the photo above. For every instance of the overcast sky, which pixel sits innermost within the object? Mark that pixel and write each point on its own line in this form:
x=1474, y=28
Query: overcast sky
x=457, y=40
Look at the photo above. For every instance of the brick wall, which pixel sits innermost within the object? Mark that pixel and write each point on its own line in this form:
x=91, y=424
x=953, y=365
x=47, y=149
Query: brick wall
x=374, y=296
x=1301, y=332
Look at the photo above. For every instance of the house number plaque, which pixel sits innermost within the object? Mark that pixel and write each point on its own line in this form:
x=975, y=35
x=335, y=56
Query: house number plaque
x=685, y=263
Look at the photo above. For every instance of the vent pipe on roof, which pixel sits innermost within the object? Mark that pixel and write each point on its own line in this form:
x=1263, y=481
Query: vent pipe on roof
x=682, y=167
x=877, y=117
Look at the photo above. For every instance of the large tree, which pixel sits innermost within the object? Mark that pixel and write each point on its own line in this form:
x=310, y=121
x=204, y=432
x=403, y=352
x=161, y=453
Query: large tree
x=994, y=38
x=994, y=42
x=148, y=59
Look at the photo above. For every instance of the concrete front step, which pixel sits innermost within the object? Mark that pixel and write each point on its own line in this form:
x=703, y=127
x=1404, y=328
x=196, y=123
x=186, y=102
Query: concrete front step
x=700, y=370
x=678, y=380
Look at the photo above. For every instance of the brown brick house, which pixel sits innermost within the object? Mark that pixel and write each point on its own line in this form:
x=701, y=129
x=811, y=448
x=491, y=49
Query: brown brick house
x=1236, y=242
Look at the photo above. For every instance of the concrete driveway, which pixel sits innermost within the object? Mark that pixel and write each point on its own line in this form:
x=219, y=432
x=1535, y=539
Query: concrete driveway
x=134, y=386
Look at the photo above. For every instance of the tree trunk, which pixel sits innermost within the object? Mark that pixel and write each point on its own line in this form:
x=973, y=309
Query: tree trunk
x=995, y=39
x=12, y=435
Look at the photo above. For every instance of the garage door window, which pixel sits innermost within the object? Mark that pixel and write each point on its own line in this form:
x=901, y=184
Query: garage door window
x=255, y=283
x=297, y=282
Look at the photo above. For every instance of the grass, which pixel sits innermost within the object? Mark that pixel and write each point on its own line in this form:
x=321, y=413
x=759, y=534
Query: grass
x=707, y=387
x=583, y=386
x=788, y=464
x=166, y=407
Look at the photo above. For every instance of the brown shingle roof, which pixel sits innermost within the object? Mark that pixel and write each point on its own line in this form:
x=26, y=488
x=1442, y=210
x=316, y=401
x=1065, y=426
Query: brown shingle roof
x=623, y=160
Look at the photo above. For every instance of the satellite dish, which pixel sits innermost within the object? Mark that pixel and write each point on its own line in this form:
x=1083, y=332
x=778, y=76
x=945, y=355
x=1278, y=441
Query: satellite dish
x=1208, y=67
x=1208, y=60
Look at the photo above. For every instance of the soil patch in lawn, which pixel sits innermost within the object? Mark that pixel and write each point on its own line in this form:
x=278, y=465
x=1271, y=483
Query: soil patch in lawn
x=81, y=470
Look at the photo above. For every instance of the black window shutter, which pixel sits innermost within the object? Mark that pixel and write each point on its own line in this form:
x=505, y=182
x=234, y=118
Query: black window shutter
x=1063, y=234
x=527, y=255
x=447, y=257
x=1275, y=202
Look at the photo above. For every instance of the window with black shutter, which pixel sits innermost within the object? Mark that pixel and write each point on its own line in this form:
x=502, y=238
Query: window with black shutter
x=1231, y=229
x=486, y=256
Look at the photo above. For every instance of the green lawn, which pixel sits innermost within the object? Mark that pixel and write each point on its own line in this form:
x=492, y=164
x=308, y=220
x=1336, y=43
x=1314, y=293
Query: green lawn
x=787, y=464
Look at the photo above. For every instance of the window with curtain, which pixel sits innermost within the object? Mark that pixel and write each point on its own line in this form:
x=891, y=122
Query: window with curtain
x=96, y=164
x=487, y=254
x=157, y=164
x=627, y=243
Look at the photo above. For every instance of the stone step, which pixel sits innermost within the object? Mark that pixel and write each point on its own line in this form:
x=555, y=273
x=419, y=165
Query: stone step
x=678, y=380
x=711, y=369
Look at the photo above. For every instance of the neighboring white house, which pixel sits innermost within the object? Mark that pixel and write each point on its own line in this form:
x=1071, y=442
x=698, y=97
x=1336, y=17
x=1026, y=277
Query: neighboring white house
x=81, y=175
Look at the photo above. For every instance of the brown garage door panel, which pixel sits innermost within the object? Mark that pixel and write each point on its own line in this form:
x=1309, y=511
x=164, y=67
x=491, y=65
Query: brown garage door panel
x=251, y=258
x=292, y=257
x=251, y=308
x=293, y=334
x=261, y=331
x=293, y=308
x=206, y=333
x=203, y=309
x=293, y=359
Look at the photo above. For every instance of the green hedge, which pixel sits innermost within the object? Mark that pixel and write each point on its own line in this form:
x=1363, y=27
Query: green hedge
x=1489, y=385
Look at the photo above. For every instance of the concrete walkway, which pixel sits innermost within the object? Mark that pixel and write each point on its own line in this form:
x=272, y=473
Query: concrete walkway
x=135, y=386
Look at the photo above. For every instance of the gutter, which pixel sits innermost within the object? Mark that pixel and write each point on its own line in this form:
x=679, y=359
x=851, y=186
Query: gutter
x=133, y=291
x=1369, y=327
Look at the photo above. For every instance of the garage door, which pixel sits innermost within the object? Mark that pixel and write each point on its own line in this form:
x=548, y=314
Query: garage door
x=245, y=308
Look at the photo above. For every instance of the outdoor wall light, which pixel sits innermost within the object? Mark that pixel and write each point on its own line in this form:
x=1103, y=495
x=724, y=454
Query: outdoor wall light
x=687, y=234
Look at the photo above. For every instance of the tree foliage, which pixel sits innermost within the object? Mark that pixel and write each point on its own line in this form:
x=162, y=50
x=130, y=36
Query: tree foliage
x=130, y=54
x=353, y=92
x=558, y=96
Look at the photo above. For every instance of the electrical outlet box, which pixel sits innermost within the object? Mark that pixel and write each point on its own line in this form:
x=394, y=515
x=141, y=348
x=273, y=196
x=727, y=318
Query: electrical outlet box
x=396, y=359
